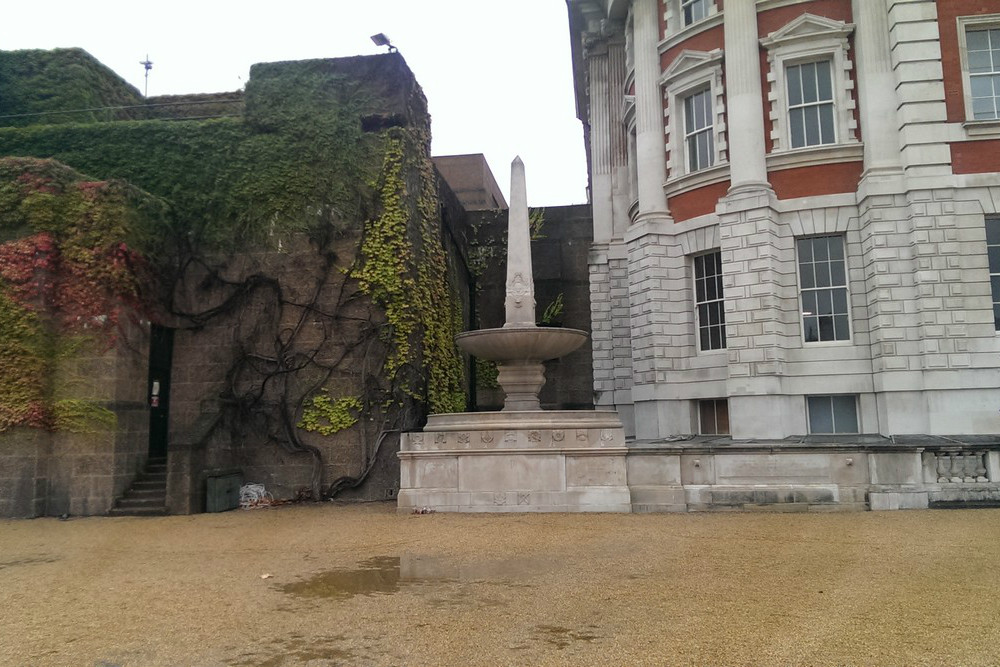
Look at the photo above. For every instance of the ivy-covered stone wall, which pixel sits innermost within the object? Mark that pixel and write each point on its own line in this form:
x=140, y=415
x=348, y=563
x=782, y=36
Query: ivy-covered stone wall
x=303, y=260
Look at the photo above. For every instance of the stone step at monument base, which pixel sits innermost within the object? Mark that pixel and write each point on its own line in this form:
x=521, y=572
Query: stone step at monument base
x=610, y=499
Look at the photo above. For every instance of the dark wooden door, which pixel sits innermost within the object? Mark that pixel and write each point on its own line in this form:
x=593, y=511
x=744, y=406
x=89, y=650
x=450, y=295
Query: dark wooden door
x=161, y=347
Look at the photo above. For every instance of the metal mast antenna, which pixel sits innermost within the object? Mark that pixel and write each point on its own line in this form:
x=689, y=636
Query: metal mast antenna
x=148, y=64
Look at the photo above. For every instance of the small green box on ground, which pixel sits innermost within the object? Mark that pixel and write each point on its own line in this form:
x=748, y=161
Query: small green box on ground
x=222, y=491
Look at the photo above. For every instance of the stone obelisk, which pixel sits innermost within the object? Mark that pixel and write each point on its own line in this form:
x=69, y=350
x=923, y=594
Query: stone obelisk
x=520, y=300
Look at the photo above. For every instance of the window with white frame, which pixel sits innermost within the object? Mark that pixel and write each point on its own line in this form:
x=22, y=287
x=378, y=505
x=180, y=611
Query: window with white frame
x=695, y=119
x=681, y=14
x=983, y=61
x=698, y=127
x=709, y=303
x=713, y=416
x=810, y=104
x=823, y=289
x=693, y=10
x=833, y=414
x=811, y=101
x=993, y=255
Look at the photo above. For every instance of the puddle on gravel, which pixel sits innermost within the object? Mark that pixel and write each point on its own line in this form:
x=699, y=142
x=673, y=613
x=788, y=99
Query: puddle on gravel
x=385, y=575
x=296, y=651
x=561, y=637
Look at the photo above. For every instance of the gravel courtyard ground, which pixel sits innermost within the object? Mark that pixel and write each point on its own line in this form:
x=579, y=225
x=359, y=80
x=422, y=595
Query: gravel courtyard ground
x=360, y=585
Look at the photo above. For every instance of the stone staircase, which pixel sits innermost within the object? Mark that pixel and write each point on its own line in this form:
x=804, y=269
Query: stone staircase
x=147, y=496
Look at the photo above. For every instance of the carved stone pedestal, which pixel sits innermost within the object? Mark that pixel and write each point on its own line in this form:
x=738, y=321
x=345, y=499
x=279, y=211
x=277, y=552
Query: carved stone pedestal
x=516, y=461
x=521, y=383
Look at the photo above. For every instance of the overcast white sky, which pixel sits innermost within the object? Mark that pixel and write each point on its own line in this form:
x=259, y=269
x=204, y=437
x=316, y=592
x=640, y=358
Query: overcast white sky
x=496, y=73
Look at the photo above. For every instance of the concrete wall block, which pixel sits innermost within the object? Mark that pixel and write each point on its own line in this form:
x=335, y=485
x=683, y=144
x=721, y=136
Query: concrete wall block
x=894, y=500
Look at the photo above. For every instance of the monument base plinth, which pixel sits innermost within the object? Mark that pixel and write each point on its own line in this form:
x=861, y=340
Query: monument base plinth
x=516, y=461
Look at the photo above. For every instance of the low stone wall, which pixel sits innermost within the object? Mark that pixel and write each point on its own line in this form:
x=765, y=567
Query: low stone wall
x=457, y=470
x=693, y=476
x=23, y=472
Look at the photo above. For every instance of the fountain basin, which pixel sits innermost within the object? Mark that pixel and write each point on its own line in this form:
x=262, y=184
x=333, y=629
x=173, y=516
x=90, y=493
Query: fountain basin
x=521, y=344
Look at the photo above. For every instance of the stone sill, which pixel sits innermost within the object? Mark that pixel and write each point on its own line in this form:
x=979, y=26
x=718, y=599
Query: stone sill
x=815, y=156
x=982, y=129
x=698, y=179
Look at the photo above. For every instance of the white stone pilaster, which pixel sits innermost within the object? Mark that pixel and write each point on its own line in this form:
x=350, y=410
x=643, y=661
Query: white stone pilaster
x=915, y=48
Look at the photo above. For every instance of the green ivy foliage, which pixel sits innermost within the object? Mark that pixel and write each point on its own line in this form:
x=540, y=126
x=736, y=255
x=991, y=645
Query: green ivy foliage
x=36, y=81
x=325, y=416
x=298, y=161
x=405, y=273
x=231, y=182
x=25, y=355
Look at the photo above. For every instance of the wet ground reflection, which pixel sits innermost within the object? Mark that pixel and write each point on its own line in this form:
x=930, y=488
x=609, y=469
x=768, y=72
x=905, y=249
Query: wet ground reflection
x=561, y=637
x=385, y=575
x=27, y=561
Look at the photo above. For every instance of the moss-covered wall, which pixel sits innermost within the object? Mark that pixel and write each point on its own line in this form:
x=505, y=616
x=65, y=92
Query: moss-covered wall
x=60, y=81
x=302, y=259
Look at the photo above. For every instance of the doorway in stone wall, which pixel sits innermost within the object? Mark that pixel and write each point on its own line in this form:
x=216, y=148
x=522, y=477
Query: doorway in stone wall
x=161, y=348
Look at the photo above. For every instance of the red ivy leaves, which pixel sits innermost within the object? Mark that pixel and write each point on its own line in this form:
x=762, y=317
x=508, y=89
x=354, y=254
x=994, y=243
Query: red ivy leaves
x=86, y=290
x=72, y=274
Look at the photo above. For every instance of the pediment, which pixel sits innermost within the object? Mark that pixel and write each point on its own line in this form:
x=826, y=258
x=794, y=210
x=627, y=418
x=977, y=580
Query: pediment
x=689, y=60
x=807, y=26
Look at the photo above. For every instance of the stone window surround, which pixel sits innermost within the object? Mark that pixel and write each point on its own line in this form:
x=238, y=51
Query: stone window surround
x=720, y=299
x=690, y=72
x=694, y=130
x=628, y=120
x=849, y=341
x=674, y=18
x=810, y=38
x=993, y=221
x=974, y=129
x=700, y=406
x=857, y=413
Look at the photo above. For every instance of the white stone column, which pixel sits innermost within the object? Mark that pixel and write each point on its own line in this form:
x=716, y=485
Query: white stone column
x=877, y=87
x=743, y=98
x=650, y=141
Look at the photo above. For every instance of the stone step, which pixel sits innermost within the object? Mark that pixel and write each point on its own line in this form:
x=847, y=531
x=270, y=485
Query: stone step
x=138, y=511
x=152, y=501
x=145, y=493
x=149, y=484
x=963, y=504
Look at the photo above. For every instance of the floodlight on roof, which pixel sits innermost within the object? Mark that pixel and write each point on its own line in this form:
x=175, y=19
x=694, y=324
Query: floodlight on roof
x=381, y=40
